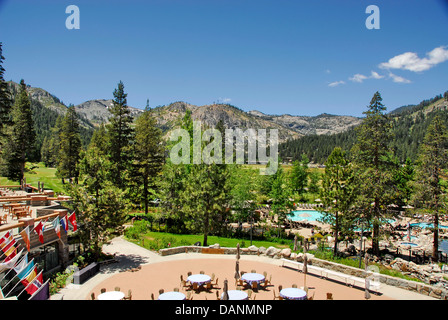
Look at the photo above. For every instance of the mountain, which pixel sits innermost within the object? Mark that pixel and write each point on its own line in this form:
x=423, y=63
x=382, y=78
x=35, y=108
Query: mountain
x=305, y=125
x=97, y=111
x=409, y=125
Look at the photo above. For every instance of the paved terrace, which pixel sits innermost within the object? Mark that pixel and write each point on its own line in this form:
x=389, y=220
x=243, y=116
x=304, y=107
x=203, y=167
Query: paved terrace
x=159, y=272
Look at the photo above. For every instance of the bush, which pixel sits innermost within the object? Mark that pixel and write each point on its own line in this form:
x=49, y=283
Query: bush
x=140, y=227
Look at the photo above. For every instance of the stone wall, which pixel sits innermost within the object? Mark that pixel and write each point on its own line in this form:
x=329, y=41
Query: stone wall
x=422, y=288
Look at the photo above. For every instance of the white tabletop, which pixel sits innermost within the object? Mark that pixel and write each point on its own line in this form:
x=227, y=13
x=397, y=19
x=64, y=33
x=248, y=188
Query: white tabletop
x=293, y=294
x=172, y=295
x=111, y=295
x=199, y=278
x=252, y=277
x=236, y=295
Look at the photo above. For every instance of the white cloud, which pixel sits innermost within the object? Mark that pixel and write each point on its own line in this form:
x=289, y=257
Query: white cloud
x=224, y=100
x=336, y=83
x=358, y=78
x=398, y=79
x=375, y=75
x=410, y=60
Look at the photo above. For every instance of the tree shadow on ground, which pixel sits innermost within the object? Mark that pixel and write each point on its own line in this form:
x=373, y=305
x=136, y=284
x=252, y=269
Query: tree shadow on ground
x=126, y=262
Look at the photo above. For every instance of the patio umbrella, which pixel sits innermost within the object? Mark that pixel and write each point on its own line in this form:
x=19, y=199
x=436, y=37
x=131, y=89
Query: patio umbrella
x=237, y=251
x=225, y=295
x=237, y=270
x=305, y=268
x=367, y=281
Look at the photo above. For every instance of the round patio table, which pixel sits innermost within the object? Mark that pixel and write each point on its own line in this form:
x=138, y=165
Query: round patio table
x=111, y=295
x=172, y=295
x=200, y=279
x=236, y=295
x=252, y=277
x=293, y=294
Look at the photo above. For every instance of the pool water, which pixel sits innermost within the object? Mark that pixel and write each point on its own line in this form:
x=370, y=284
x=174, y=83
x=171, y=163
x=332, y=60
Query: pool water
x=427, y=225
x=308, y=215
x=409, y=244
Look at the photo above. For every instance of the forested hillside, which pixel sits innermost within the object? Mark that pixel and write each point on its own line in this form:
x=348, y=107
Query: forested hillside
x=409, y=125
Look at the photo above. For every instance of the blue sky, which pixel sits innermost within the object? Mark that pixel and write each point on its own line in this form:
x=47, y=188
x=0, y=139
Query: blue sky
x=275, y=56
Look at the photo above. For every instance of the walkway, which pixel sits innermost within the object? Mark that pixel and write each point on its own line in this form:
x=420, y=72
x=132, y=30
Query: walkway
x=130, y=255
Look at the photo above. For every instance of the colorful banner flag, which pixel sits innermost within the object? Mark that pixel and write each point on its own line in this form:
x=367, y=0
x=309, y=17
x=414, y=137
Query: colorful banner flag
x=39, y=229
x=43, y=293
x=64, y=223
x=57, y=226
x=26, y=270
x=29, y=277
x=5, y=239
x=25, y=233
x=22, y=264
x=10, y=263
x=72, y=220
x=35, y=284
x=8, y=245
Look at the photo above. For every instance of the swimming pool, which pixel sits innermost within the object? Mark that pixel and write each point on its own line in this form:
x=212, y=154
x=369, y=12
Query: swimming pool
x=426, y=225
x=308, y=215
x=409, y=244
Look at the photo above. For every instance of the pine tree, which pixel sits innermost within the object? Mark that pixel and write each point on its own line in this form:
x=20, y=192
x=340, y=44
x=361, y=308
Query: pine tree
x=5, y=101
x=280, y=197
x=70, y=146
x=21, y=136
x=430, y=193
x=120, y=136
x=299, y=175
x=373, y=162
x=337, y=190
x=148, y=155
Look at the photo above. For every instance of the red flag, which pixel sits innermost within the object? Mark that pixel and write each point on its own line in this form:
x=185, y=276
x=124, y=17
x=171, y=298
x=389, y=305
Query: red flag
x=39, y=228
x=5, y=239
x=8, y=246
x=35, y=284
x=72, y=220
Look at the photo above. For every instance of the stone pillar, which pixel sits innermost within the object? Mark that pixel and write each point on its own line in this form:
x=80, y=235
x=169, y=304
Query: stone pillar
x=63, y=243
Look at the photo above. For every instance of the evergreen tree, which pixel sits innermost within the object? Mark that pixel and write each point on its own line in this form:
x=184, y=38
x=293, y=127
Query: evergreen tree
x=280, y=197
x=337, y=191
x=21, y=136
x=5, y=101
x=148, y=156
x=430, y=193
x=120, y=136
x=299, y=175
x=373, y=163
x=69, y=147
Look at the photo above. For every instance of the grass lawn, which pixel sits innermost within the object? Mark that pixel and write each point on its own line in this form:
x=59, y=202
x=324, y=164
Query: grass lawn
x=40, y=173
x=159, y=240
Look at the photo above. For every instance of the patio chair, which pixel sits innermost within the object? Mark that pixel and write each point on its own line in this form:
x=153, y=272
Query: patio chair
x=184, y=284
x=311, y=297
x=161, y=291
x=253, y=271
x=239, y=282
x=176, y=289
x=196, y=287
x=266, y=282
x=218, y=297
x=93, y=295
x=294, y=285
x=249, y=293
x=129, y=296
x=213, y=277
x=280, y=287
x=329, y=296
x=152, y=296
x=275, y=296
x=254, y=286
x=265, y=274
x=189, y=296
x=208, y=286
x=117, y=289
x=103, y=290
x=215, y=283
x=201, y=272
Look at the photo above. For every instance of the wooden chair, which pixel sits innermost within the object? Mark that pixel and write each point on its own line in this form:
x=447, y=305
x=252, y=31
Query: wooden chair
x=117, y=288
x=152, y=296
x=240, y=283
x=3, y=219
x=215, y=283
x=213, y=277
x=129, y=296
x=294, y=285
x=196, y=287
x=201, y=272
x=184, y=284
x=189, y=296
x=253, y=271
x=161, y=291
x=276, y=297
x=254, y=286
x=189, y=273
x=249, y=293
x=311, y=297
x=329, y=296
x=103, y=290
x=265, y=274
x=267, y=281
x=93, y=295
x=280, y=287
x=208, y=286
x=176, y=289
x=218, y=297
